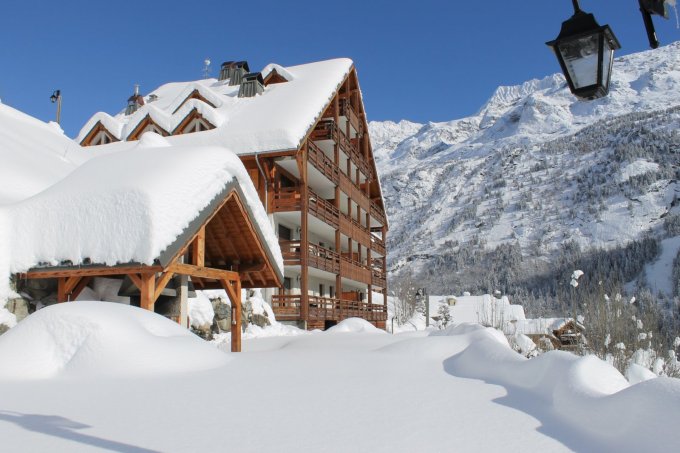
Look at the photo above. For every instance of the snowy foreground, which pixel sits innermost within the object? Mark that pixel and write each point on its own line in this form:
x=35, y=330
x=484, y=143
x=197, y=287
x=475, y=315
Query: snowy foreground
x=90, y=376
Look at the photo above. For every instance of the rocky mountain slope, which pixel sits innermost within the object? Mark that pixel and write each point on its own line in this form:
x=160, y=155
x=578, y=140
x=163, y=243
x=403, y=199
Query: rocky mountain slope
x=536, y=174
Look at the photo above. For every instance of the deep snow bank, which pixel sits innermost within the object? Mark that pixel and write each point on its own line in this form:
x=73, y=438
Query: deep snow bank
x=584, y=392
x=86, y=339
x=354, y=325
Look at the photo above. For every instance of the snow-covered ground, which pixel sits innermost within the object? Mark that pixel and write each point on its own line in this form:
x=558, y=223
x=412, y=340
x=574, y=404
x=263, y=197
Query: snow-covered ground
x=351, y=389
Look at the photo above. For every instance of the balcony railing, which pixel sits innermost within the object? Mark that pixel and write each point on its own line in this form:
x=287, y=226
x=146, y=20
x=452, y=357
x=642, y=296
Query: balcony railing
x=322, y=162
x=355, y=271
x=378, y=245
x=317, y=256
x=352, y=229
x=290, y=199
x=377, y=213
x=348, y=112
x=328, y=130
x=287, y=307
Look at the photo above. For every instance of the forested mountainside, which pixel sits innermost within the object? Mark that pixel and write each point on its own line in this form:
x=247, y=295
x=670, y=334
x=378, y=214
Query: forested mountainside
x=537, y=184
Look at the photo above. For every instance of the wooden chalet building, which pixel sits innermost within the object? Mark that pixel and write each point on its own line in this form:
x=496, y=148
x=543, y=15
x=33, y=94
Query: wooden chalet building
x=302, y=134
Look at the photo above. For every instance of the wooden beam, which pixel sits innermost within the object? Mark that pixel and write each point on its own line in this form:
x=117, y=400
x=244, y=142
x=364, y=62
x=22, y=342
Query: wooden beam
x=161, y=283
x=198, y=248
x=61, y=290
x=202, y=272
x=70, y=284
x=233, y=289
x=89, y=271
x=148, y=292
x=136, y=280
x=80, y=287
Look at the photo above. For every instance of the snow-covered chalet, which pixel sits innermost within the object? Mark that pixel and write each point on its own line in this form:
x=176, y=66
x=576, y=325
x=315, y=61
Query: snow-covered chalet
x=302, y=134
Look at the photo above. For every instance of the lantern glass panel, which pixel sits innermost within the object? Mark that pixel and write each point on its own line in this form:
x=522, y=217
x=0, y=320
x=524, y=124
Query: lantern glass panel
x=607, y=61
x=581, y=58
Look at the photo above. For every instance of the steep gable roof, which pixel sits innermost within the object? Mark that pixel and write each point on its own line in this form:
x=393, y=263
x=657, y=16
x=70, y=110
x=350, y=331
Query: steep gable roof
x=278, y=119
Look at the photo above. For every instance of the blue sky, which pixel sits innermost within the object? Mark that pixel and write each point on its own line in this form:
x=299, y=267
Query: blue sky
x=423, y=61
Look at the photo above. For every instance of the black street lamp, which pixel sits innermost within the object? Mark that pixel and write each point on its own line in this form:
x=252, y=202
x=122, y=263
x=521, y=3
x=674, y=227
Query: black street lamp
x=585, y=51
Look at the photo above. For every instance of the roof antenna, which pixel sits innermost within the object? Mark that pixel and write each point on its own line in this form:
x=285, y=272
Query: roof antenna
x=136, y=89
x=206, y=68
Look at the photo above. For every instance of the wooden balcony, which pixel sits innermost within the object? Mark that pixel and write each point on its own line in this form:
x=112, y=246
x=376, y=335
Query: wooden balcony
x=317, y=256
x=378, y=245
x=287, y=308
x=348, y=112
x=352, y=229
x=354, y=192
x=290, y=199
x=322, y=162
x=377, y=213
x=327, y=130
x=287, y=200
x=355, y=271
x=324, y=210
x=378, y=277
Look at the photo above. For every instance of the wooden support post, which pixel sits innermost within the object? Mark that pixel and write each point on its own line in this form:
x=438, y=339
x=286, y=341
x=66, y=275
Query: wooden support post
x=148, y=291
x=80, y=287
x=233, y=289
x=304, y=238
x=61, y=290
x=198, y=248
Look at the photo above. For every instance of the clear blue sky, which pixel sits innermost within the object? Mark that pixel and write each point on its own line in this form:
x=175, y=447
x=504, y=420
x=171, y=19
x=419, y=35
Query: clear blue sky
x=422, y=60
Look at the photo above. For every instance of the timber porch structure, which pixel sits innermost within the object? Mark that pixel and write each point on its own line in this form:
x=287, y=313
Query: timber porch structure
x=321, y=193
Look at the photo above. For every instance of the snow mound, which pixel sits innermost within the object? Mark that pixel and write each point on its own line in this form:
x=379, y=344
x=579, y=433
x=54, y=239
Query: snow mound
x=94, y=339
x=580, y=391
x=354, y=325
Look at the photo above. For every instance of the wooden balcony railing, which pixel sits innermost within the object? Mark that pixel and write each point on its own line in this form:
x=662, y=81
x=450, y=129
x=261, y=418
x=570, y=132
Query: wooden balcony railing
x=289, y=199
x=348, y=112
x=378, y=277
x=352, y=229
x=287, y=307
x=326, y=129
x=355, y=271
x=377, y=213
x=317, y=256
x=354, y=192
x=322, y=162
x=324, y=210
x=378, y=245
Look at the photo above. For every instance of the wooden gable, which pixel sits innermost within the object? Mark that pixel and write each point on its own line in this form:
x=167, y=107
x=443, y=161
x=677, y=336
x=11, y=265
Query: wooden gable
x=194, y=95
x=98, y=135
x=145, y=125
x=274, y=77
x=195, y=119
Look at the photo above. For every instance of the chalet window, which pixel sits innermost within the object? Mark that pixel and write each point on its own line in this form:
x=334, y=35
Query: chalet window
x=287, y=284
x=331, y=291
x=322, y=290
x=284, y=233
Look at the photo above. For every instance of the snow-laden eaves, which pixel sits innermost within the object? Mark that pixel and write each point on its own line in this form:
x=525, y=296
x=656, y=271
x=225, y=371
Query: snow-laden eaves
x=129, y=207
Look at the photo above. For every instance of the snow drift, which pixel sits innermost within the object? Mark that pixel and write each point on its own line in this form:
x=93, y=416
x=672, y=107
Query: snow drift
x=97, y=339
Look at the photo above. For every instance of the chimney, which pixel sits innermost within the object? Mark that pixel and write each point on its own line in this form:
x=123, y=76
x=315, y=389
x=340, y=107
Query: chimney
x=225, y=70
x=134, y=102
x=251, y=85
x=237, y=71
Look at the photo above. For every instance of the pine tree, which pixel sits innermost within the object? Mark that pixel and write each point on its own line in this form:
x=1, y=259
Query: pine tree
x=444, y=314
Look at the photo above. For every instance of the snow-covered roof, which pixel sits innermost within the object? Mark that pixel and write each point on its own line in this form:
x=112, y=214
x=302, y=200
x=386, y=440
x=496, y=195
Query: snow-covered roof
x=33, y=155
x=277, y=119
x=129, y=206
x=486, y=310
x=538, y=326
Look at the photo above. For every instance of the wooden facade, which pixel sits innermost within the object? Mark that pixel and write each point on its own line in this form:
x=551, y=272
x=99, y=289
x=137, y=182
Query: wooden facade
x=326, y=194
x=327, y=206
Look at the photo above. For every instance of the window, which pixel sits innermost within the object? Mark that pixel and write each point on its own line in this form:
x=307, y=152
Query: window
x=331, y=291
x=284, y=233
x=322, y=290
x=287, y=284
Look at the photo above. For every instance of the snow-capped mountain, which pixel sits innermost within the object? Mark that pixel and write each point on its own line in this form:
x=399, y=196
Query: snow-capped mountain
x=536, y=169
